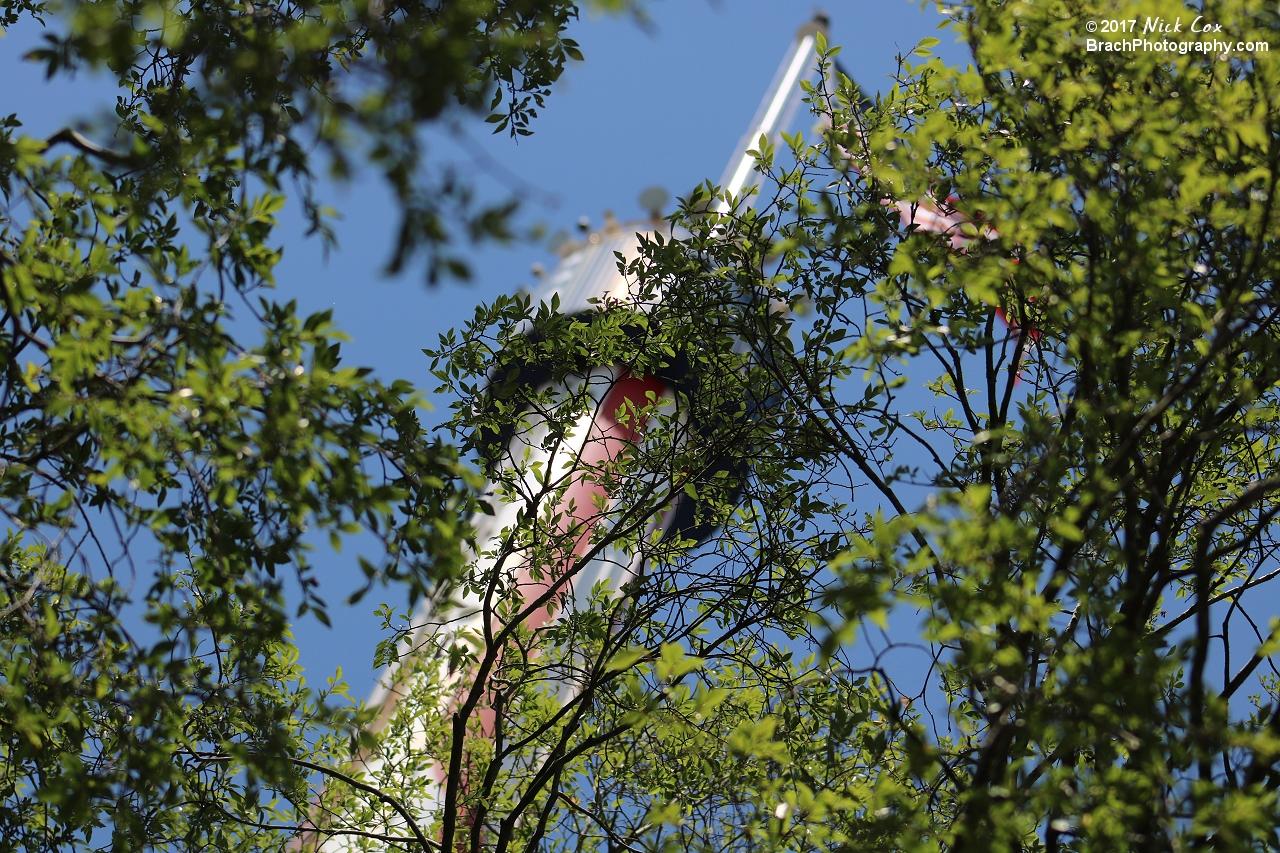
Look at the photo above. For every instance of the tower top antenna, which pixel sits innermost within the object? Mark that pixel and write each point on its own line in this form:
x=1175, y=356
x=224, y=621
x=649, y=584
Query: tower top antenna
x=819, y=23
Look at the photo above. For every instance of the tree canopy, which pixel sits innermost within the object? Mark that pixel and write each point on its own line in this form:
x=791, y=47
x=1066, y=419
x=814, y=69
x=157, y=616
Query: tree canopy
x=986, y=374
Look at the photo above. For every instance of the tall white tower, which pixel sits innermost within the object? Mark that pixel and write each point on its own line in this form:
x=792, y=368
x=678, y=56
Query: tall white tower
x=586, y=278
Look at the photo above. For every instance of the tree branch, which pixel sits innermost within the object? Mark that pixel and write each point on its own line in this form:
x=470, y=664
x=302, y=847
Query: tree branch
x=88, y=146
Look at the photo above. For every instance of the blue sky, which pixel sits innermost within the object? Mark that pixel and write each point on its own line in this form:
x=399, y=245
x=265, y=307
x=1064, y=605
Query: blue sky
x=663, y=105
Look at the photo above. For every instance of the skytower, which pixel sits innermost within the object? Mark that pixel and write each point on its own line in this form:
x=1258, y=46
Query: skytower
x=553, y=481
